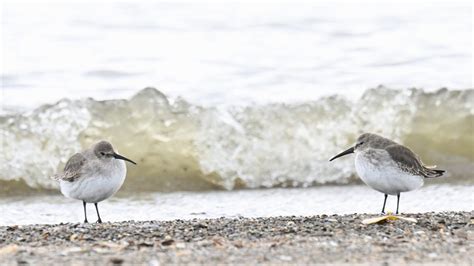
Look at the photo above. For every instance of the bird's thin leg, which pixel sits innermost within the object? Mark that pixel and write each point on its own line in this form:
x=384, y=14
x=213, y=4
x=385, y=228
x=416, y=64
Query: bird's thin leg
x=398, y=201
x=98, y=215
x=384, y=201
x=85, y=212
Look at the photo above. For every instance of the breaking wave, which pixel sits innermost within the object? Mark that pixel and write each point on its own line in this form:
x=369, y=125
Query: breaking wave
x=180, y=146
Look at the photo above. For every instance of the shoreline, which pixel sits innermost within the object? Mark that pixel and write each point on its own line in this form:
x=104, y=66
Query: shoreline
x=437, y=238
x=52, y=209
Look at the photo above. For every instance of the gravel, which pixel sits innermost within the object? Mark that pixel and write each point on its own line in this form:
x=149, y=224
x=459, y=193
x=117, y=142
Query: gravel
x=437, y=238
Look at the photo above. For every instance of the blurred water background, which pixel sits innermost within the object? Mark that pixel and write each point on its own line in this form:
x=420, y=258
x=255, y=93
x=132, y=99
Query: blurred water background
x=215, y=98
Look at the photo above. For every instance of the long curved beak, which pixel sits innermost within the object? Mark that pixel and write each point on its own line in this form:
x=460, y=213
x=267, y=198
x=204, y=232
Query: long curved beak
x=120, y=157
x=348, y=151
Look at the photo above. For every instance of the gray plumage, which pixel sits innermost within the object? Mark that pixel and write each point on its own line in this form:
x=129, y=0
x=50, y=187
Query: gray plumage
x=88, y=158
x=405, y=158
x=387, y=166
x=409, y=162
x=72, y=170
x=93, y=175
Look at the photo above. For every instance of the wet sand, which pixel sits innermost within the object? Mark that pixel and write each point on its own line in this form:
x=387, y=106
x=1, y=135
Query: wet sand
x=437, y=238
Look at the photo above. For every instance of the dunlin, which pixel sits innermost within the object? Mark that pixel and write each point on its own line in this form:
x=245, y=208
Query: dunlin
x=387, y=166
x=93, y=175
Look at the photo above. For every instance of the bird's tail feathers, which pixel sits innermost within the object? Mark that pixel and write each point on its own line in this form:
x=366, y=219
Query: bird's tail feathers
x=432, y=173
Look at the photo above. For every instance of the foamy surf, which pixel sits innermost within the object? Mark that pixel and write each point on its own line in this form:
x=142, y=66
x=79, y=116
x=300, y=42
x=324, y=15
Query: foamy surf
x=180, y=146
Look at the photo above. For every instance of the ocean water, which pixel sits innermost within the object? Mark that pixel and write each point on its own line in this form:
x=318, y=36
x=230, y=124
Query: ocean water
x=181, y=146
x=215, y=98
x=230, y=54
x=54, y=208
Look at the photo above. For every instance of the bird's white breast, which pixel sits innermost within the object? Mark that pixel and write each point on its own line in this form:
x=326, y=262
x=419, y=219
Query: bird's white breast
x=377, y=169
x=97, y=182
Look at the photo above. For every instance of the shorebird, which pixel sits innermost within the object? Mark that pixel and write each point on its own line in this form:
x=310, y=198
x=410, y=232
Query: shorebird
x=93, y=175
x=387, y=166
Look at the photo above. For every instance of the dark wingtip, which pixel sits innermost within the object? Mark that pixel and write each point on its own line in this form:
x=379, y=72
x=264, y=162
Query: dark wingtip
x=440, y=172
x=434, y=173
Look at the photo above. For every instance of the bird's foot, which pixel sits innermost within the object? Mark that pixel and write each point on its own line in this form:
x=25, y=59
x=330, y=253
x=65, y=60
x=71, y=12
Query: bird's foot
x=99, y=221
x=85, y=221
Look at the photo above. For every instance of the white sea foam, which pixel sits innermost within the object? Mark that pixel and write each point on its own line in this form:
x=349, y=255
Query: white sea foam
x=181, y=146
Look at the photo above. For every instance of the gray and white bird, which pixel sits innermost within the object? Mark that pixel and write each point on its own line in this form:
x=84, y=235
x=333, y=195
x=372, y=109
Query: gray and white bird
x=387, y=166
x=93, y=175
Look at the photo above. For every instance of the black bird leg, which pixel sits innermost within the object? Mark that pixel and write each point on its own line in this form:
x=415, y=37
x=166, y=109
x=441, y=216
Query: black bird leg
x=384, y=201
x=85, y=212
x=98, y=215
x=398, y=201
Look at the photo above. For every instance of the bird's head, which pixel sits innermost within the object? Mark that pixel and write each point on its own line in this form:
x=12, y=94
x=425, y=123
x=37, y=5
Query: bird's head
x=104, y=151
x=362, y=143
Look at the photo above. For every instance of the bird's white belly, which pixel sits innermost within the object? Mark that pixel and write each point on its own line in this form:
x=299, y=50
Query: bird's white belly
x=97, y=186
x=382, y=174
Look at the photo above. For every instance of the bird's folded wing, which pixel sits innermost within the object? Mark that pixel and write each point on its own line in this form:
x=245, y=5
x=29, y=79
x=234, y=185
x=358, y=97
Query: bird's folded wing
x=72, y=169
x=405, y=158
x=410, y=162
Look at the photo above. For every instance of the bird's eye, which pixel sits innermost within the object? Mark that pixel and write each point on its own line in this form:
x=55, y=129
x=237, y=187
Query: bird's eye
x=102, y=153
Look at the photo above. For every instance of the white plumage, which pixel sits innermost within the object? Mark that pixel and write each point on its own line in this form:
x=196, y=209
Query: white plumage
x=97, y=183
x=387, y=166
x=381, y=173
x=93, y=175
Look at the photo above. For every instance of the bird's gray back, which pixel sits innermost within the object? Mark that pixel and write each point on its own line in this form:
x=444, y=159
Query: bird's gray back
x=375, y=141
x=72, y=170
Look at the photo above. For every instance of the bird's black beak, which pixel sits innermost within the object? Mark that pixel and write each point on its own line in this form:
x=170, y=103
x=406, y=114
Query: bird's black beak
x=120, y=157
x=348, y=151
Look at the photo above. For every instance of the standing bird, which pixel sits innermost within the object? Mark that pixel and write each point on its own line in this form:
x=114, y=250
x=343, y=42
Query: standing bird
x=93, y=175
x=387, y=166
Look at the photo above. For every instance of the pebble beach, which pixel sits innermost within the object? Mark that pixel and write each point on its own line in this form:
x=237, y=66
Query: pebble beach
x=232, y=113
x=435, y=239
